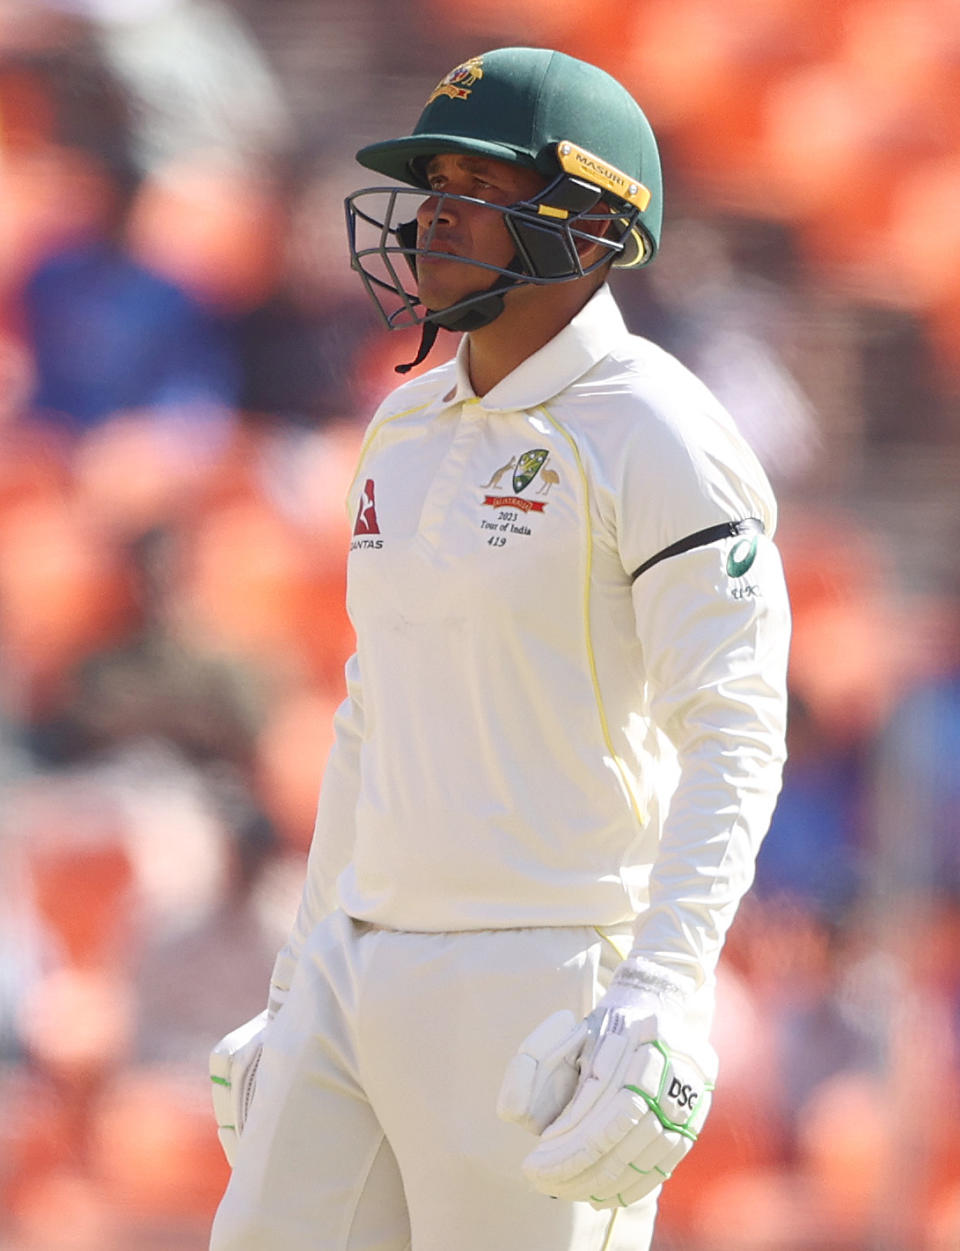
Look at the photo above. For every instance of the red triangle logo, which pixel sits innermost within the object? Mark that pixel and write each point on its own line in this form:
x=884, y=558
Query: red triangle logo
x=366, y=522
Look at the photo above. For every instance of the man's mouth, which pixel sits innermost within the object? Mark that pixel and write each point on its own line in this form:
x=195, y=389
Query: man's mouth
x=433, y=249
x=435, y=260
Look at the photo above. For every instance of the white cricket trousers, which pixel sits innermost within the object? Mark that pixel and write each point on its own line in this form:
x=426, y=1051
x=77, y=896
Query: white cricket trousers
x=374, y=1124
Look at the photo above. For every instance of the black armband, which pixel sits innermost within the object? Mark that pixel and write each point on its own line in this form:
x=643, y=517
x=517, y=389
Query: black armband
x=702, y=538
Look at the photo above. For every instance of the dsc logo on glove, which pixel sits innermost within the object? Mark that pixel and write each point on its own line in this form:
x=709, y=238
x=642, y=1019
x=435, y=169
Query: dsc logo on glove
x=685, y=1096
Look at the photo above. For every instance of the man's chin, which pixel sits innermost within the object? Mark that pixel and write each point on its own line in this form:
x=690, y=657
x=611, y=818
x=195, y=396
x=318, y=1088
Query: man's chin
x=443, y=283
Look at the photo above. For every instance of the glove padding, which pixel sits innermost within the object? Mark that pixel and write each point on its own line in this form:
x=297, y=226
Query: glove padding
x=235, y=1059
x=233, y=1074
x=542, y=1076
x=619, y=1099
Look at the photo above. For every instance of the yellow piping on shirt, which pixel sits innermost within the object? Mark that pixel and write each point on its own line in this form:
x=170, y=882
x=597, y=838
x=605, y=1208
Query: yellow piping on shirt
x=613, y=1220
x=368, y=439
x=591, y=657
x=619, y=944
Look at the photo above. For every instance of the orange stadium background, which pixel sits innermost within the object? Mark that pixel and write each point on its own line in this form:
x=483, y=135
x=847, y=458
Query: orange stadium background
x=187, y=365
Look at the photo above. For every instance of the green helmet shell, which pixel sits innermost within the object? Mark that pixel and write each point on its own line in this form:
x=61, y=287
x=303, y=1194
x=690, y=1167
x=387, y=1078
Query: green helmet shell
x=517, y=105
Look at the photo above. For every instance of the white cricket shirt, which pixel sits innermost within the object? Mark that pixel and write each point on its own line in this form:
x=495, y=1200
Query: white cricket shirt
x=533, y=735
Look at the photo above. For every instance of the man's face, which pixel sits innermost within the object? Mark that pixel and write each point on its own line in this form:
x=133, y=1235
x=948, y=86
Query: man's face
x=467, y=230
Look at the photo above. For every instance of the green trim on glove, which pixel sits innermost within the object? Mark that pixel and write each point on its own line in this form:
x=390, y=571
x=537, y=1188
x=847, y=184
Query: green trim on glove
x=653, y=1101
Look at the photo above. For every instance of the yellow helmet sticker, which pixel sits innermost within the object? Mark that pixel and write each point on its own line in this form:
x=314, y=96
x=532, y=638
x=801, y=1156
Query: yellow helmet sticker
x=580, y=162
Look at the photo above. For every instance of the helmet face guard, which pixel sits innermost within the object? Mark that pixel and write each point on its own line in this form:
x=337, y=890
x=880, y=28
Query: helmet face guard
x=550, y=234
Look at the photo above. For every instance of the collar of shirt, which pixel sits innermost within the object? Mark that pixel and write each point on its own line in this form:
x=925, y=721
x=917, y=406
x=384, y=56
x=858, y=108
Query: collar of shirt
x=585, y=340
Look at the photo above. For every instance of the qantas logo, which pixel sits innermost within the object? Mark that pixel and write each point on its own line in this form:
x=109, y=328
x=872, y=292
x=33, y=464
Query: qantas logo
x=366, y=523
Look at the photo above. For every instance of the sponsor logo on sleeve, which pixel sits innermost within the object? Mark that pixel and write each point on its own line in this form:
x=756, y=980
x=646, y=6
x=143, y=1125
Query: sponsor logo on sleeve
x=739, y=562
x=742, y=555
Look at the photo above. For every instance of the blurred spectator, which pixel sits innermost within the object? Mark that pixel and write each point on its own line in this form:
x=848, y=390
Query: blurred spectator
x=731, y=328
x=21, y=942
x=106, y=334
x=68, y=597
x=156, y=684
x=917, y=802
x=200, y=81
x=850, y=650
x=187, y=981
x=303, y=333
x=300, y=363
x=816, y=842
x=110, y=336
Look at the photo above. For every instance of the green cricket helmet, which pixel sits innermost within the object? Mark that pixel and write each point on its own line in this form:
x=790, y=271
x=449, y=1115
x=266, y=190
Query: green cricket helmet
x=568, y=120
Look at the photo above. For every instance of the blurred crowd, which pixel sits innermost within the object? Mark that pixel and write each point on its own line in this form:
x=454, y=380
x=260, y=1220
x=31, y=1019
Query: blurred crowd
x=187, y=367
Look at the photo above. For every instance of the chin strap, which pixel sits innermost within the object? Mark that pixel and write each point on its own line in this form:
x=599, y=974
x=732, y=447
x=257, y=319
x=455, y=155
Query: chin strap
x=428, y=337
x=486, y=307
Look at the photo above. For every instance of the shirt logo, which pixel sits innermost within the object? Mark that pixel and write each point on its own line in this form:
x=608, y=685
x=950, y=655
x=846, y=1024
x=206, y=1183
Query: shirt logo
x=528, y=466
x=366, y=522
x=525, y=468
x=460, y=81
x=742, y=555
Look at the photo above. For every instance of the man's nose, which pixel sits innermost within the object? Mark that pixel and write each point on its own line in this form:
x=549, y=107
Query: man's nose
x=436, y=210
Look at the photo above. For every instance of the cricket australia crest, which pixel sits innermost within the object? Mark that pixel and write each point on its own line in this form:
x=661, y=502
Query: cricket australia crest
x=527, y=468
x=460, y=81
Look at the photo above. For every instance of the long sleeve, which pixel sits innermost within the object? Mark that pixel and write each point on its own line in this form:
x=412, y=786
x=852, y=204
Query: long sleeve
x=712, y=618
x=334, y=828
x=715, y=645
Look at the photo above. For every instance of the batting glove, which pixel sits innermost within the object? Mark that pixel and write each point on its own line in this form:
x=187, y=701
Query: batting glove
x=233, y=1067
x=619, y=1099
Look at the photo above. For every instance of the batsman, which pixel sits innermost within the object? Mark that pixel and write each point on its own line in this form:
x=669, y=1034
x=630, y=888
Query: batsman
x=563, y=734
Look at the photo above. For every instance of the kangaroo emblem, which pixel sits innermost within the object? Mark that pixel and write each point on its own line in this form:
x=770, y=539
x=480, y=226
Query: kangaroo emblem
x=548, y=478
x=498, y=474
